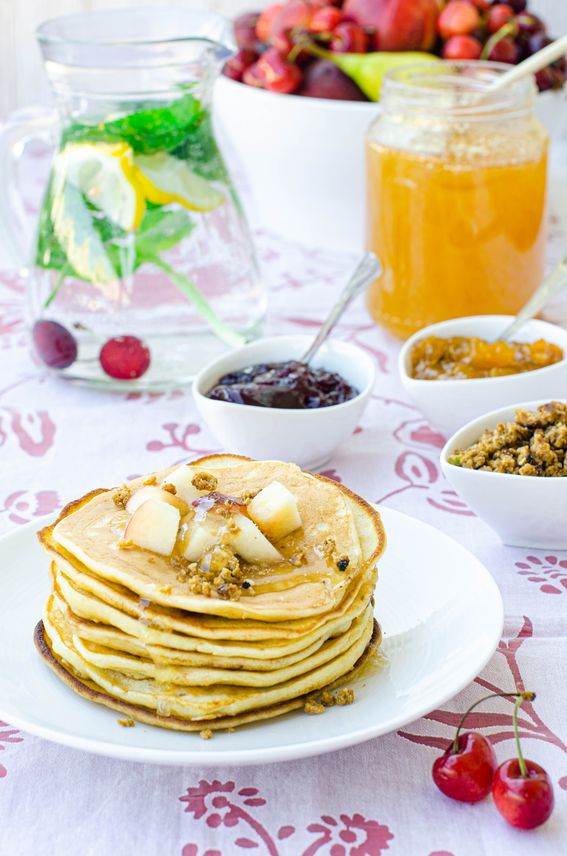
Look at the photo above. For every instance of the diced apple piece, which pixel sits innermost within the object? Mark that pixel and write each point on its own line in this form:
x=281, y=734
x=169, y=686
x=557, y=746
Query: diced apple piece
x=200, y=536
x=182, y=478
x=154, y=492
x=154, y=526
x=250, y=544
x=274, y=510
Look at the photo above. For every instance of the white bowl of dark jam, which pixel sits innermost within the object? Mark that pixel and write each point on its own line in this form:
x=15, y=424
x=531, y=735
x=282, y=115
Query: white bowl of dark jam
x=260, y=401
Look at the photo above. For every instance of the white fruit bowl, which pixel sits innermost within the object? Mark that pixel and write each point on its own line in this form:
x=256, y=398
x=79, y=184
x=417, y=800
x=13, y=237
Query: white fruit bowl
x=304, y=437
x=449, y=404
x=299, y=162
x=525, y=511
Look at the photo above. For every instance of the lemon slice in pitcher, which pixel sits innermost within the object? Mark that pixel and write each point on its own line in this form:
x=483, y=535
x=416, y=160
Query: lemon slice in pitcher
x=104, y=173
x=165, y=179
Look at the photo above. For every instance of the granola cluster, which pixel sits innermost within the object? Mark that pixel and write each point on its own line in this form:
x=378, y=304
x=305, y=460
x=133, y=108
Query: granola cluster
x=535, y=444
x=217, y=574
x=329, y=550
x=121, y=496
x=316, y=705
x=204, y=481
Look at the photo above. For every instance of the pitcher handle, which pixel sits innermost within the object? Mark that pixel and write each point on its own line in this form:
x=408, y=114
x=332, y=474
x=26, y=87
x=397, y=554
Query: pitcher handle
x=14, y=226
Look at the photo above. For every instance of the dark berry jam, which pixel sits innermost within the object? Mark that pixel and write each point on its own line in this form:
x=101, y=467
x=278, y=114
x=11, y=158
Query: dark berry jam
x=291, y=385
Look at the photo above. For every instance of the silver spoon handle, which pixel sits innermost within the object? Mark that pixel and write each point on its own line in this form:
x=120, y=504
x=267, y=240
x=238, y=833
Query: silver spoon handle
x=368, y=269
x=551, y=286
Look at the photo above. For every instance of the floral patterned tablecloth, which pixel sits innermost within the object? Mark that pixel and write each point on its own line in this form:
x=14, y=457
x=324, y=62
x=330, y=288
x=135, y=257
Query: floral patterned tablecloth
x=58, y=441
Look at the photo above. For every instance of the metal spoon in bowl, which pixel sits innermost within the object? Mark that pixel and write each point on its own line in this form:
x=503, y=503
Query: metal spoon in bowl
x=550, y=287
x=367, y=270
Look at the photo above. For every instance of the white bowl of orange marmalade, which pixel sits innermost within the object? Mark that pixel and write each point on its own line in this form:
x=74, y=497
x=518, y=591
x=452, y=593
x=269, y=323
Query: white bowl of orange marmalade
x=450, y=401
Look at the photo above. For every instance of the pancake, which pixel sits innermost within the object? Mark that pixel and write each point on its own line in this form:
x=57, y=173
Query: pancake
x=156, y=617
x=126, y=628
x=86, y=606
x=92, y=530
x=134, y=665
x=202, y=702
x=92, y=692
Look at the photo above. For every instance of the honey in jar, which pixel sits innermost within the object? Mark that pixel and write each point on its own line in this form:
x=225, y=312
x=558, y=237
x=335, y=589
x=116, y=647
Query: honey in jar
x=456, y=187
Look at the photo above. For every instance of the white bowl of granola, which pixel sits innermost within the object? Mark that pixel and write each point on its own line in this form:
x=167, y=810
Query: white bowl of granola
x=510, y=467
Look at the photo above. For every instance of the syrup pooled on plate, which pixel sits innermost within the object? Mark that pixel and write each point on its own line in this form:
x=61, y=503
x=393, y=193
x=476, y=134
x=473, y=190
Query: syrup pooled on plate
x=462, y=357
x=290, y=384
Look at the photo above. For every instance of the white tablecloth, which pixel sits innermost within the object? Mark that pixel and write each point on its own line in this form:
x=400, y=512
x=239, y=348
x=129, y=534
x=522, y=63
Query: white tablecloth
x=58, y=441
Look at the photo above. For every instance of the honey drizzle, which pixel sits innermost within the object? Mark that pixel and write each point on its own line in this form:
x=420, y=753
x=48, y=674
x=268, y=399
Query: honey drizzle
x=279, y=577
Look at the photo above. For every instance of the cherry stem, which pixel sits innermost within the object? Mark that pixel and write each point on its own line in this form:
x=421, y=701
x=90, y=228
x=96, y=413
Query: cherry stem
x=525, y=696
x=509, y=29
x=520, y=696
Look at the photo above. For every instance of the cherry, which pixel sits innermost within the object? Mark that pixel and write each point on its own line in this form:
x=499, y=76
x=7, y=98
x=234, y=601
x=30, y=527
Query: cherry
x=254, y=76
x=279, y=75
x=458, y=18
x=522, y=790
x=325, y=19
x=529, y=25
x=505, y=50
x=465, y=771
x=462, y=47
x=237, y=64
x=524, y=801
x=244, y=28
x=498, y=16
x=518, y=5
x=291, y=18
x=537, y=41
x=349, y=38
x=266, y=20
x=55, y=345
x=125, y=358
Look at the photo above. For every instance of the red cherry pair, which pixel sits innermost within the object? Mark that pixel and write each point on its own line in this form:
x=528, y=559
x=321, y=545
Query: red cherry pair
x=123, y=357
x=467, y=772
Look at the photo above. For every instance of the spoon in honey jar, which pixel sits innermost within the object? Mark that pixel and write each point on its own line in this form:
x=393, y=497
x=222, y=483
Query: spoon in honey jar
x=550, y=287
x=368, y=269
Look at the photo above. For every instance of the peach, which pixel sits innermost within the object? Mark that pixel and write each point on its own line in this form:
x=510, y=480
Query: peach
x=398, y=25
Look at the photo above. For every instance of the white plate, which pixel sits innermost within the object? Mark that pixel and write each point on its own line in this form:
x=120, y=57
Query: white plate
x=441, y=615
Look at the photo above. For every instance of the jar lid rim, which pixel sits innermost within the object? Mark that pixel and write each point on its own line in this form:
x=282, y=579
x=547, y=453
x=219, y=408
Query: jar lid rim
x=418, y=84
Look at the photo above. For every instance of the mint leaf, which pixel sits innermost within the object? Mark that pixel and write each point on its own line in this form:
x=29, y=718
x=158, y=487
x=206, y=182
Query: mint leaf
x=200, y=149
x=183, y=128
x=147, y=131
x=160, y=230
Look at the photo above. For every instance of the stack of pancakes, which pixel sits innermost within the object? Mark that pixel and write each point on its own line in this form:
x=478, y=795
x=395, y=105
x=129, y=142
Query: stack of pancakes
x=125, y=629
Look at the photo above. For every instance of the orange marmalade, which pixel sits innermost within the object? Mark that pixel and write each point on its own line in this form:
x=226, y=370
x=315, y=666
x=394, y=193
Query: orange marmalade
x=461, y=357
x=456, y=197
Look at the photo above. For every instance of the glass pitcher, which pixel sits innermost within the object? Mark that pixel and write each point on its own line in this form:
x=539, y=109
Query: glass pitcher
x=143, y=267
